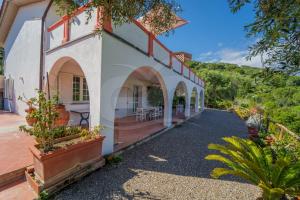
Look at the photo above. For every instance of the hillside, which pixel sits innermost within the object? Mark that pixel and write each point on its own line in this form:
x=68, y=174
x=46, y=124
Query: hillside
x=228, y=85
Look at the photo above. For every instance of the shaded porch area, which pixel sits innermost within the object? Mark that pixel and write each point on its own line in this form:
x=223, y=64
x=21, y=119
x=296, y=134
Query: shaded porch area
x=129, y=131
x=140, y=108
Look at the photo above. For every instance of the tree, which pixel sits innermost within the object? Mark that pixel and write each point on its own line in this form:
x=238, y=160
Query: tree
x=161, y=18
x=277, y=25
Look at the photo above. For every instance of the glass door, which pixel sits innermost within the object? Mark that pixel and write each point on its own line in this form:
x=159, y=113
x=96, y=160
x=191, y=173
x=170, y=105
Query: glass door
x=137, y=97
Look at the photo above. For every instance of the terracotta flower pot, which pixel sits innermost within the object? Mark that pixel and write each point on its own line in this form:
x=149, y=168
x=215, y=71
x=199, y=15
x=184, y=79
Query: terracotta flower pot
x=63, y=115
x=252, y=131
x=30, y=120
x=53, y=167
x=269, y=140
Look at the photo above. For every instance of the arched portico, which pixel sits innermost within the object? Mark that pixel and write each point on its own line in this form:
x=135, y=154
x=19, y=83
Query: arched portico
x=180, y=102
x=66, y=80
x=140, y=106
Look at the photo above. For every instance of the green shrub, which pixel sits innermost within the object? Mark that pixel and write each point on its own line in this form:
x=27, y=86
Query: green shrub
x=276, y=176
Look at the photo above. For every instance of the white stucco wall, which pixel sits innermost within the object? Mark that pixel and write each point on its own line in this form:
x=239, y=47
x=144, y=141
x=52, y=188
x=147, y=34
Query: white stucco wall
x=87, y=54
x=176, y=65
x=79, y=26
x=133, y=34
x=160, y=53
x=105, y=61
x=186, y=71
x=119, y=60
x=22, y=50
x=53, y=38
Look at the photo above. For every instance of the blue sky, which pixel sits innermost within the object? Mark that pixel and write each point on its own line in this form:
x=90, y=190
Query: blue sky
x=213, y=33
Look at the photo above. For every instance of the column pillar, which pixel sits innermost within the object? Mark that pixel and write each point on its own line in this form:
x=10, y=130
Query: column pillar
x=168, y=109
x=187, y=111
x=197, y=103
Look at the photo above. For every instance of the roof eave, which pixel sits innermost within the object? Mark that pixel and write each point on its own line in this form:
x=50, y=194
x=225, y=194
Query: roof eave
x=8, y=13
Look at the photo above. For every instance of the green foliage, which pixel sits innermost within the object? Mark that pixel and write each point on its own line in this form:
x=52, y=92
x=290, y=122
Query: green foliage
x=45, y=114
x=178, y=100
x=114, y=160
x=43, y=195
x=44, y=128
x=123, y=11
x=1, y=61
x=277, y=25
x=155, y=96
x=275, y=176
x=229, y=85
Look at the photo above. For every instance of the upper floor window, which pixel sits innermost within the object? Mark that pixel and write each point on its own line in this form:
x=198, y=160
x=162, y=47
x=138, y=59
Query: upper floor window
x=80, y=89
x=85, y=91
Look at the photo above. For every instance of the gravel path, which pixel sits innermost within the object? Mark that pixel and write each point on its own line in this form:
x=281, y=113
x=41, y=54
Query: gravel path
x=171, y=166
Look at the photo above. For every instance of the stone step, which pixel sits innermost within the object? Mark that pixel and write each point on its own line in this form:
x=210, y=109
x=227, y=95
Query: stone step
x=17, y=190
x=10, y=177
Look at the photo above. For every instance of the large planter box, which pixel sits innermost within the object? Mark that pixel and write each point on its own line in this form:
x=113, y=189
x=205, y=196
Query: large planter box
x=57, y=166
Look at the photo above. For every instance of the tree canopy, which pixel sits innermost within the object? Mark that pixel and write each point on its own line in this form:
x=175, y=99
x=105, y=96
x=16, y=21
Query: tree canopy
x=160, y=18
x=277, y=27
x=229, y=85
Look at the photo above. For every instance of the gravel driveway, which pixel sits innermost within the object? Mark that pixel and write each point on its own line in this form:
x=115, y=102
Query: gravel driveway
x=171, y=166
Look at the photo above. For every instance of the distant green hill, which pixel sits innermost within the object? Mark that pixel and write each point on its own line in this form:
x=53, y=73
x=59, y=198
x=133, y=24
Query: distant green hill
x=230, y=84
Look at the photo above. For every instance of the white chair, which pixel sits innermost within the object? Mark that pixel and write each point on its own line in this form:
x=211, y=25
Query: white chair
x=160, y=111
x=140, y=114
x=154, y=113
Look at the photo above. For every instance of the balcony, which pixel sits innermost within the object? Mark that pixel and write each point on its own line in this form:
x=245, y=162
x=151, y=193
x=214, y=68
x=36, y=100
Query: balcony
x=71, y=29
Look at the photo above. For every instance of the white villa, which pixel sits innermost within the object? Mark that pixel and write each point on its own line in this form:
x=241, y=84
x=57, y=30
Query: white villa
x=107, y=78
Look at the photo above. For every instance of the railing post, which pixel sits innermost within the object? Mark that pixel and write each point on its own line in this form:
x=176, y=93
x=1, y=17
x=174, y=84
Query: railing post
x=181, y=68
x=150, y=44
x=66, y=30
x=106, y=23
x=98, y=17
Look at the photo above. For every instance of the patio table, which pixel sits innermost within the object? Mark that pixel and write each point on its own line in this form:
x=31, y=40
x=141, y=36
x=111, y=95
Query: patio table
x=84, y=115
x=148, y=111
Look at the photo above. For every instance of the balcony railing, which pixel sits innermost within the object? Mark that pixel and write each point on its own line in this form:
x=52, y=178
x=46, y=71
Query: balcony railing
x=75, y=27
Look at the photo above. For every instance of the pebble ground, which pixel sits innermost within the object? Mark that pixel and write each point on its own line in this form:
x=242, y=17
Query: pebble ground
x=170, y=166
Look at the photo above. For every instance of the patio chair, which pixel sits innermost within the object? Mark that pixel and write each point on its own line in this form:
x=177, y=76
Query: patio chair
x=140, y=114
x=160, y=111
x=154, y=113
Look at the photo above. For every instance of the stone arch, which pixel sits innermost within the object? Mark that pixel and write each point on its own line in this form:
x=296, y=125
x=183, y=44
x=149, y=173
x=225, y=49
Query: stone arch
x=144, y=72
x=181, y=86
x=63, y=76
x=140, y=79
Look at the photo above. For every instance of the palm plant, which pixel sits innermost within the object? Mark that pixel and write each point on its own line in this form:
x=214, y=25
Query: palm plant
x=243, y=158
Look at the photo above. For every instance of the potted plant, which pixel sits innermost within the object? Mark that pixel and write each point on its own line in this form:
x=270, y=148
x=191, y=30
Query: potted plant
x=254, y=122
x=61, y=152
x=30, y=119
x=63, y=115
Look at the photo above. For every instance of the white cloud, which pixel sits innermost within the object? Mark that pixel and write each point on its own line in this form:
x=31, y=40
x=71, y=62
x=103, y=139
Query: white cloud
x=220, y=44
x=230, y=56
